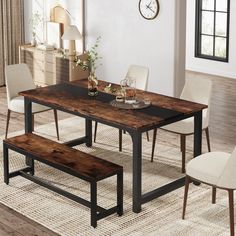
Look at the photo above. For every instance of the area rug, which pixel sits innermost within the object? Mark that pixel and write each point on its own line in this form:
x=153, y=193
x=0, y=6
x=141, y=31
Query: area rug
x=161, y=216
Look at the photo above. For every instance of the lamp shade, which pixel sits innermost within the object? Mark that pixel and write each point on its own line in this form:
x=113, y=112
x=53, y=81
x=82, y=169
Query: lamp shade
x=71, y=33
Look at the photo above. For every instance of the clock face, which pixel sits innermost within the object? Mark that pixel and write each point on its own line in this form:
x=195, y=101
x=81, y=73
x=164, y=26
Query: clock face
x=149, y=9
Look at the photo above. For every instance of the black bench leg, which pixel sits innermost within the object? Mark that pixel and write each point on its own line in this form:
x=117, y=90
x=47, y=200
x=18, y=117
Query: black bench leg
x=6, y=164
x=120, y=193
x=94, y=204
x=31, y=164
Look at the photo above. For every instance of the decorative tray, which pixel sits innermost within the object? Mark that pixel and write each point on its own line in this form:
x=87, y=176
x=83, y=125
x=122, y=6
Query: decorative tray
x=139, y=104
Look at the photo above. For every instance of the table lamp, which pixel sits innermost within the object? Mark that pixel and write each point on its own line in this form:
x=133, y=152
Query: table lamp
x=71, y=33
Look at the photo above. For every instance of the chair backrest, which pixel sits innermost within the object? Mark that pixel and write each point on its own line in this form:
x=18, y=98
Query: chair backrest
x=140, y=74
x=18, y=78
x=198, y=90
x=228, y=176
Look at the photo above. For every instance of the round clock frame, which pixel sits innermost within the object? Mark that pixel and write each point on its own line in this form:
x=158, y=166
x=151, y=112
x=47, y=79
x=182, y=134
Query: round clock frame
x=154, y=11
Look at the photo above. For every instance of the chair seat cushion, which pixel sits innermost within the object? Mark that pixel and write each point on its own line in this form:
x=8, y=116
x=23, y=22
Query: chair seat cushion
x=207, y=167
x=186, y=126
x=182, y=127
x=17, y=105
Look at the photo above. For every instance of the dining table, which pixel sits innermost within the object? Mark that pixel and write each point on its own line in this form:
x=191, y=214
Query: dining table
x=72, y=97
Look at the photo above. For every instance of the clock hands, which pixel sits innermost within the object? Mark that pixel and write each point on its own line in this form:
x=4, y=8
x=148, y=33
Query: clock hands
x=148, y=7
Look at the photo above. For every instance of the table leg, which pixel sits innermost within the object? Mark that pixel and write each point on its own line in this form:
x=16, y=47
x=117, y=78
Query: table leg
x=88, y=132
x=6, y=164
x=28, y=129
x=137, y=171
x=28, y=116
x=198, y=134
x=197, y=137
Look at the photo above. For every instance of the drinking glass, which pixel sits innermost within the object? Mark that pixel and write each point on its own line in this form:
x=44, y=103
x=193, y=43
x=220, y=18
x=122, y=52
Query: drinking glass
x=130, y=90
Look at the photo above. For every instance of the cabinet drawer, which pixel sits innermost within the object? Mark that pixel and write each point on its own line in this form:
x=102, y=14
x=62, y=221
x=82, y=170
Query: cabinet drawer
x=39, y=65
x=39, y=55
x=49, y=67
x=43, y=56
x=50, y=78
x=47, y=78
x=44, y=67
x=49, y=57
x=39, y=76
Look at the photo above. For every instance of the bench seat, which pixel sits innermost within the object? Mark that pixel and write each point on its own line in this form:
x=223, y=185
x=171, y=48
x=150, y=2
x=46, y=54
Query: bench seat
x=69, y=160
x=63, y=157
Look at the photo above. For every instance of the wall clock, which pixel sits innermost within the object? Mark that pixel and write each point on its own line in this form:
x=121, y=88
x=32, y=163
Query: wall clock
x=149, y=9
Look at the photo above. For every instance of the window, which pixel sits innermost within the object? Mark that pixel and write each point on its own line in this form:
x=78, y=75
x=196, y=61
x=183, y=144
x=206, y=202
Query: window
x=212, y=29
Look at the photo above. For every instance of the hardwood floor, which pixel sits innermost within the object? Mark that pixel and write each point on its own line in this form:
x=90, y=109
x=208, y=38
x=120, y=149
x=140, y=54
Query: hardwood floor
x=13, y=223
x=222, y=134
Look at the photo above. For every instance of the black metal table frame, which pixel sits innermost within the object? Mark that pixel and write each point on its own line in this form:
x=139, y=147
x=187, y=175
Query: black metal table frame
x=136, y=135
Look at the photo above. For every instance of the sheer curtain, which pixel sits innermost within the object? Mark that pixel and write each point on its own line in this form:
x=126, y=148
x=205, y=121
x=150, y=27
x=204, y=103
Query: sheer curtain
x=11, y=33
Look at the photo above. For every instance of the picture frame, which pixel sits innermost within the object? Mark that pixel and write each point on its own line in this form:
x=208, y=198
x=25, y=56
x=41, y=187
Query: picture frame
x=54, y=33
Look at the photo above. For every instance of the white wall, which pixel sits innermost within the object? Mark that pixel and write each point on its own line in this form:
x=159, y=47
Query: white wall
x=208, y=66
x=127, y=38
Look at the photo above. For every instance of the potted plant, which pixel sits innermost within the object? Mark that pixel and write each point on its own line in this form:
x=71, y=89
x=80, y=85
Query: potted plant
x=34, y=21
x=91, y=65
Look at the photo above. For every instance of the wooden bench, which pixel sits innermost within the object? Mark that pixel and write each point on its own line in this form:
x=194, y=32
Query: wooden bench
x=69, y=160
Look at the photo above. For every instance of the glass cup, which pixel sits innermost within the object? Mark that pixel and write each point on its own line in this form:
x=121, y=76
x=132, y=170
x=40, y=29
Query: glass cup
x=147, y=101
x=130, y=91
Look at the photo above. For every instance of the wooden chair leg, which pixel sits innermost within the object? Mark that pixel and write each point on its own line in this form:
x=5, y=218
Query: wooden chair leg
x=56, y=122
x=183, y=150
x=120, y=136
x=208, y=139
x=231, y=211
x=187, y=182
x=95, y=131
x=147, y=134
x=181, y=146
x=120, y=140
x=8, y=119
x=153, y=143
x=213, y=195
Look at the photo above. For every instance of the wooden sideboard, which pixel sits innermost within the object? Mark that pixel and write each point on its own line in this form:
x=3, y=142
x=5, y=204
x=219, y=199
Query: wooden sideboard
x=49, y=67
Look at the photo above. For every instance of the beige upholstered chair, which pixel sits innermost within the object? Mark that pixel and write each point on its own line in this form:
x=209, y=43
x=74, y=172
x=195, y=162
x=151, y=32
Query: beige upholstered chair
x=140, y=73
x=195, y=90
x=217, y=169
x=19, y=78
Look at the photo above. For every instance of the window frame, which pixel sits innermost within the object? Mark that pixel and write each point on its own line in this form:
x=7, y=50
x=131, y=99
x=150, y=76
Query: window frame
x=198, y=33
